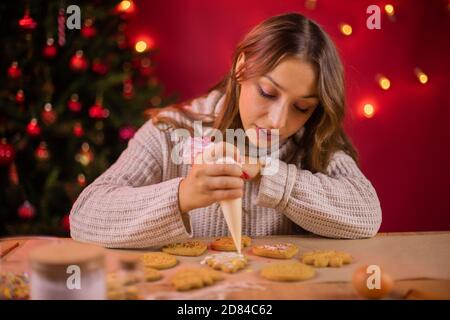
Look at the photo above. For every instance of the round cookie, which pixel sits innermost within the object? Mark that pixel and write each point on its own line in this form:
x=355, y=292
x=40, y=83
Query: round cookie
x=326, y=258
x=227, y=243
x=158, y=260
x=187, y=248
x=287, y=271
x=276, y=251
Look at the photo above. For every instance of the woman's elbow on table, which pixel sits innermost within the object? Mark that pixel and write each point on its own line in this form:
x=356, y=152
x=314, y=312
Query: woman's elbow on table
x=368, y=223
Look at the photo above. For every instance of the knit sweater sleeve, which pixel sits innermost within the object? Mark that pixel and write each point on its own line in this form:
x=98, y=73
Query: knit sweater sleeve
x=129, y=205
x=339, y=204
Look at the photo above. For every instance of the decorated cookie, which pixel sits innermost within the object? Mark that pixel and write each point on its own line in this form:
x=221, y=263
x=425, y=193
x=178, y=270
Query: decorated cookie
x=226, y=261
x=158, y=260
x=188, y=248
x=277, y=251
x=326, y=258
x=287, y=271
x=193, y=278
x=227, y=244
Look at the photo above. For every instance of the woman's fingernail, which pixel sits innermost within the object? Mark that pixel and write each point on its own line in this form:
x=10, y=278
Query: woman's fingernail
x=245, y=175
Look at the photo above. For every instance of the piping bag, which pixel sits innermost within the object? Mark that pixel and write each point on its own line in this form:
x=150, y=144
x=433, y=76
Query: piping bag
x=231, y=209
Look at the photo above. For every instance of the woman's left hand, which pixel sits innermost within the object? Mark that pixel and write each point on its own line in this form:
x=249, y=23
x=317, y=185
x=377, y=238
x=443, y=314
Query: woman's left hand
x=251, y=168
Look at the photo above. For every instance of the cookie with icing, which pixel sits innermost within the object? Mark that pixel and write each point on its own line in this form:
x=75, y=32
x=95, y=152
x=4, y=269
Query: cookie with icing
x=226, y=261
x=276, y=251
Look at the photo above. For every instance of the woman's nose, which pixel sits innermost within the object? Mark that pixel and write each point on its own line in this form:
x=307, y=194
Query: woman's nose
x=278, y=115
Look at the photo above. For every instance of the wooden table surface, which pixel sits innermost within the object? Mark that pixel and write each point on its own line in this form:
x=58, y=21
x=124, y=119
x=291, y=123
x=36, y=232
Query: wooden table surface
x=16, y=260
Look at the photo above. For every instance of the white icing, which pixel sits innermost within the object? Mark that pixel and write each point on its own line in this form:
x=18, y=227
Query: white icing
x=277, y=246
x=225, y=258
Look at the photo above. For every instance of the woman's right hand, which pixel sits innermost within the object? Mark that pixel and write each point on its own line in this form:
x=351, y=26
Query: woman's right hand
x=208, y=182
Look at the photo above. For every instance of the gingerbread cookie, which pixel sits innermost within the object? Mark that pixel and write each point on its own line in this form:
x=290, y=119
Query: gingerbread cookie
x=188, y=248
x=151, y=274
x=193, y=278
x=227, y=244
x=287, y=271
x=121, y=289
x=226, y=261
x=158, y=260
x=277, y=251
x=326, y=258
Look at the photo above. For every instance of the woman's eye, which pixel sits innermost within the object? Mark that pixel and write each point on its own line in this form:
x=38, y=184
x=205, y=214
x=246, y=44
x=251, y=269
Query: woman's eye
x=301, y=110
x=265, y=95
x=268, y=96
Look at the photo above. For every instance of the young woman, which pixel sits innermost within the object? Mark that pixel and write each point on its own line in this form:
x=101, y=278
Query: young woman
x=285, y=75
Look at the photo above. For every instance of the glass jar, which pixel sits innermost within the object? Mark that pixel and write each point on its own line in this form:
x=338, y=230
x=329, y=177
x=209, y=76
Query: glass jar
x=67, y=271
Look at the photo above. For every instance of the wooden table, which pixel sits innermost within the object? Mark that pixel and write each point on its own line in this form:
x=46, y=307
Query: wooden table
x=17, y=261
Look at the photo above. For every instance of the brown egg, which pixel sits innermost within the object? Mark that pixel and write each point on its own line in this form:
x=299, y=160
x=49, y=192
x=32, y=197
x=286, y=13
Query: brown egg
x=371, y=282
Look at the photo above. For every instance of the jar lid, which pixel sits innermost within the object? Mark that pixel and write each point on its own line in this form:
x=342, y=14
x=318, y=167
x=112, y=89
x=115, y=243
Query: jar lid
x=61, y=255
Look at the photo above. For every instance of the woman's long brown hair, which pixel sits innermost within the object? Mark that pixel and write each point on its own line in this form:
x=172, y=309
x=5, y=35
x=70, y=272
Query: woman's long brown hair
x=289, y=34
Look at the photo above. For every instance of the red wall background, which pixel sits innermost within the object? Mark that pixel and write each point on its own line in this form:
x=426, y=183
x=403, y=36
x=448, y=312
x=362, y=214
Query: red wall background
x=404, y=147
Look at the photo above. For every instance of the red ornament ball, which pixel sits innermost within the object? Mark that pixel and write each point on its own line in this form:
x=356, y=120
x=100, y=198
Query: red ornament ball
x=26, y=211
x=41, y=152
x=48, y=115
x=7, y=153
x=33, y=128
x=20, y=96
x=73, y=104
x=14, y=71
x=145, y=67
x=99, y=67
x=79, y=62
x=126, y=133
x=50, y=49
x=97, y=111
x=27, y=22
x=78, y=130
x=88, y=30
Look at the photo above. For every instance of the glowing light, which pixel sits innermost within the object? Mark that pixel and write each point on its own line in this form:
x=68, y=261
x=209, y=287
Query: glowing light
x=126, y=6
x=421, y=76
x=383, y=82
x=141, y=46
x=346, y=29
x=368, y=110
x=389, y=8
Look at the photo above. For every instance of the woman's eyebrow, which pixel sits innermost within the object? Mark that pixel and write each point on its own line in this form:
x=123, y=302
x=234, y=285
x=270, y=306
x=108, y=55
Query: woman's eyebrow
x=280, y=87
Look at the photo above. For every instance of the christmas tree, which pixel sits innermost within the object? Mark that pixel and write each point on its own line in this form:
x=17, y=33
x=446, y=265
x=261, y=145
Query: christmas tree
x=70, y=99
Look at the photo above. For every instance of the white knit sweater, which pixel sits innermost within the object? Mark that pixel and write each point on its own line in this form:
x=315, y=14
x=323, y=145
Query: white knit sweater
x=134, y=204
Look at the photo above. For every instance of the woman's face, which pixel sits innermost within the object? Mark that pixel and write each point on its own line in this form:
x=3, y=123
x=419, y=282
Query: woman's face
x=282, y=99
